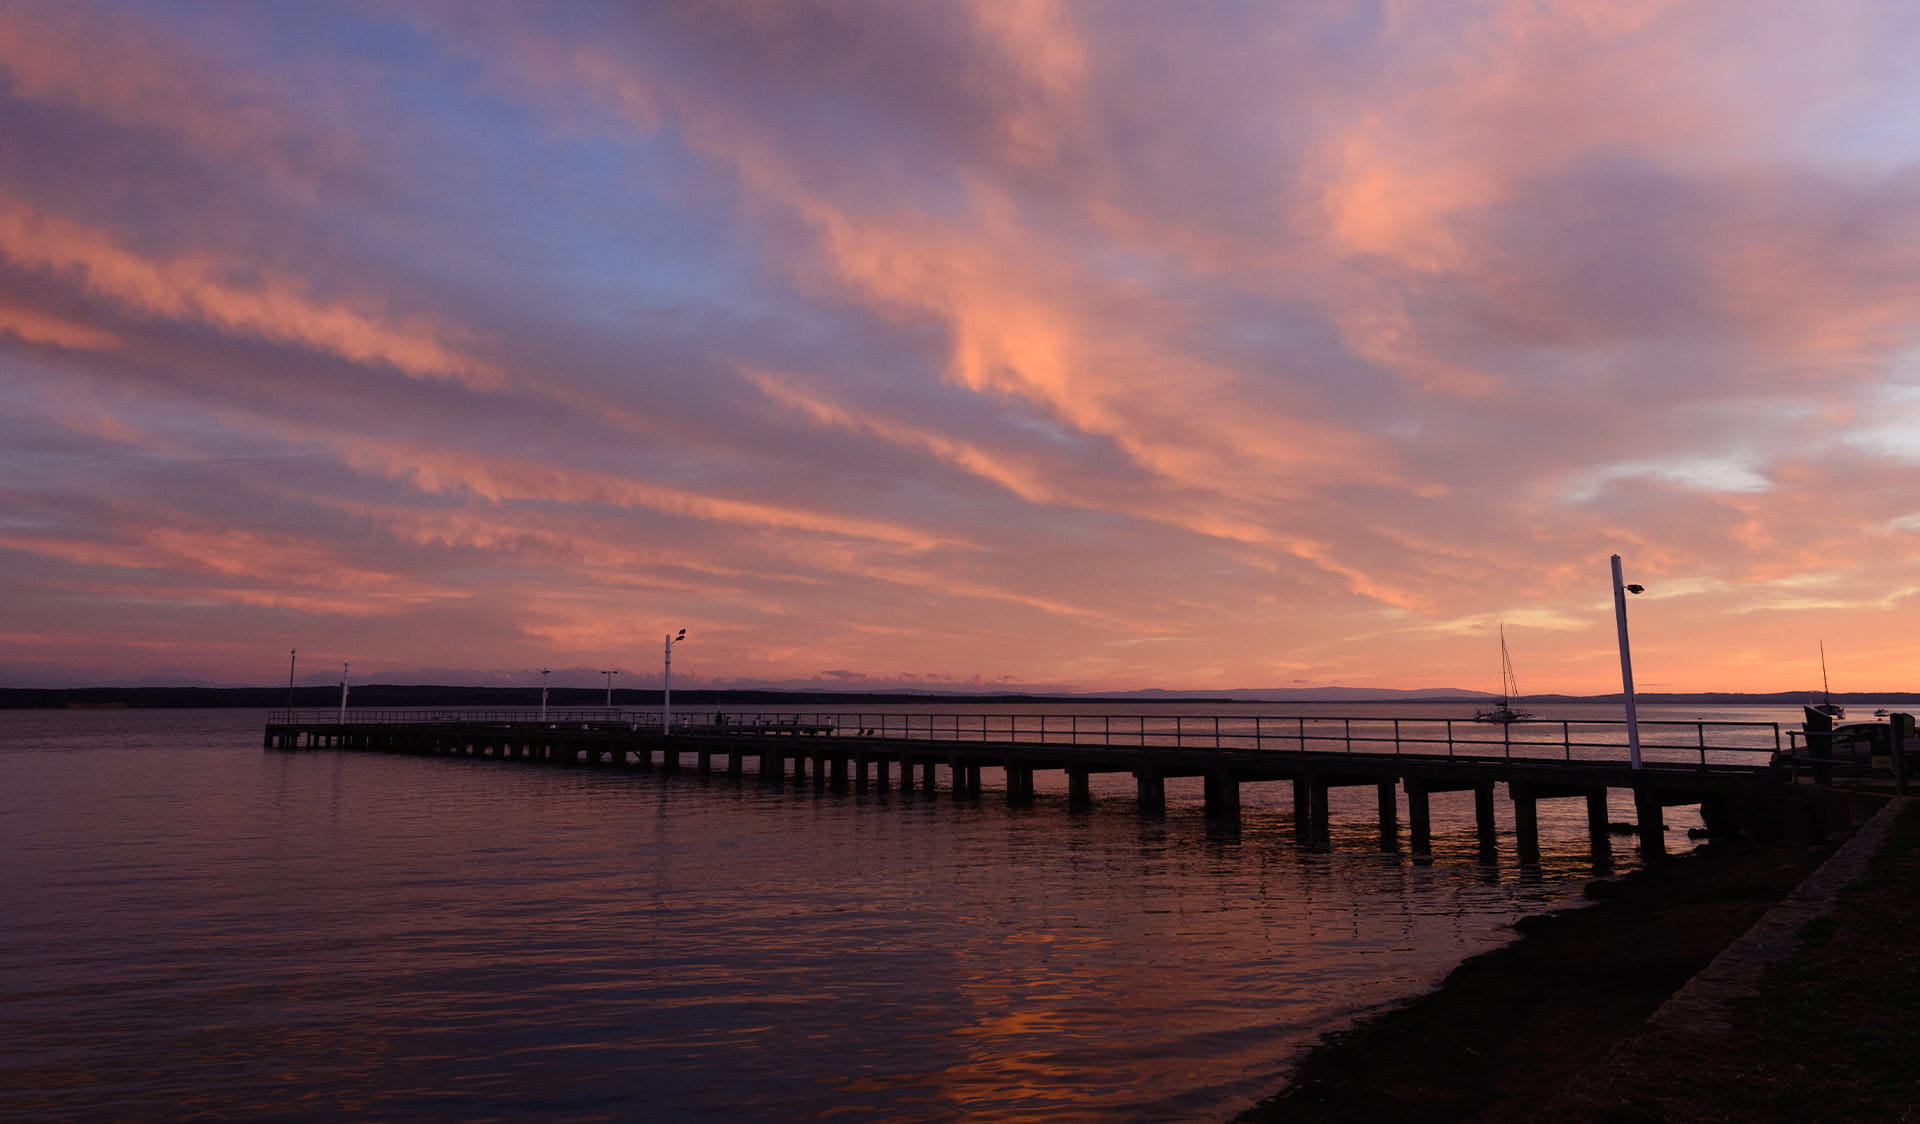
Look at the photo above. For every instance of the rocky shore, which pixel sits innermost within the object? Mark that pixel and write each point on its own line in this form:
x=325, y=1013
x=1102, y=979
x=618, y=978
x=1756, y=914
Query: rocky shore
x=1554, y=1025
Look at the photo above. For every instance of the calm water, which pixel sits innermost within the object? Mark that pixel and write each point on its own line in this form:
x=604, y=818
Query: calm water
x=198, y=929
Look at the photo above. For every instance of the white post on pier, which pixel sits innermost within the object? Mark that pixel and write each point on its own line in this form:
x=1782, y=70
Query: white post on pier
x=1620, y=592
x=666, y=683
x=543, y=693
x=610, y=675
x=343, y=691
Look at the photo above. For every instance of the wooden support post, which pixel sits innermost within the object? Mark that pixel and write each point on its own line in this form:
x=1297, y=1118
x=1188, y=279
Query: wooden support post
x=1389, y=817
x=773, y=767
x=703, y=761
x=1321, y=827
x=1302, y=810
x=839, y=772
x=1652, y=824
x=860, y=772
x=1150, y=790
x=1902, y=728
x=1598, y=837
x=735, y=765
x=1079, y=790
x=927, y=782
x=1526, y=822
x=1419, y=818
x=882, y=775
x=820, y=766
x=1716, y=813
x=1483, y=822
x=1222, y=793
x=973, y=781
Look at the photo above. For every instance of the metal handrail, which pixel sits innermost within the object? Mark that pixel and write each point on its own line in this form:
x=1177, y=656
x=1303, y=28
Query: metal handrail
x=1663, y=741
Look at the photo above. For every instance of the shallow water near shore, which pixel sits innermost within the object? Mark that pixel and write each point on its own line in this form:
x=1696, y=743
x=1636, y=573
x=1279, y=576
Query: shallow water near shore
x=199, y=927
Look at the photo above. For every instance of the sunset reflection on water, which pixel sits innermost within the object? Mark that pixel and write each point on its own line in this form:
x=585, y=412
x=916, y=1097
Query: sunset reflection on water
x=200, y=927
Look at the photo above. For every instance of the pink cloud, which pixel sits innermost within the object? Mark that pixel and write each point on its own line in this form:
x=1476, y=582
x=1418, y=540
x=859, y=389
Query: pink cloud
x=1249, y=345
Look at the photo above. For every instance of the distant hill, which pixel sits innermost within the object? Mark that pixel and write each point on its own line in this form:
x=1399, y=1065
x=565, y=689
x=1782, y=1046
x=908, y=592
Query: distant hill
x=394, y=696
x=1298, y=694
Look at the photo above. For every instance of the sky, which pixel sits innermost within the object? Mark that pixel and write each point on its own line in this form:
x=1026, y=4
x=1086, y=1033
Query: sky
x=974, y=345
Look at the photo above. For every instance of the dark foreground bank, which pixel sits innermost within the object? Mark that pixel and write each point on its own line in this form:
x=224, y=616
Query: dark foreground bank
x=1525, y=1032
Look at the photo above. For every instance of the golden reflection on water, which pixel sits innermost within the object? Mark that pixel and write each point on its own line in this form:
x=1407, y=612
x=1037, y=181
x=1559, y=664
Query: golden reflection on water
x=202, y=927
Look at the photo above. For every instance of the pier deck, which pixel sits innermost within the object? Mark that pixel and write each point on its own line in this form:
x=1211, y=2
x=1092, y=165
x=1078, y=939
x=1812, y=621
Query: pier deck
x=1725, y=768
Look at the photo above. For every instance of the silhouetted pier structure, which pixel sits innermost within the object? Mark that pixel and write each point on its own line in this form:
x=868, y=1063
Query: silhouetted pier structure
x=1724, y=767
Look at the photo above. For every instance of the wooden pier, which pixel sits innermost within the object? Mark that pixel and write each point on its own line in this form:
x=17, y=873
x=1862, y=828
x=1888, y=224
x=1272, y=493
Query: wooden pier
x=1730, y=776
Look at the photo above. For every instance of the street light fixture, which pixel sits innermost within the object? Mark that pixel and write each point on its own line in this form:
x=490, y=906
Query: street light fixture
x=1620, y=592
x=543, y=693
x=610, y=675
x=666, y=682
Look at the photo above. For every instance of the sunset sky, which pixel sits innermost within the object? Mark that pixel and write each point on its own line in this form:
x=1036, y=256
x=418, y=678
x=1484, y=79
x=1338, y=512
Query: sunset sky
x=1003, y=344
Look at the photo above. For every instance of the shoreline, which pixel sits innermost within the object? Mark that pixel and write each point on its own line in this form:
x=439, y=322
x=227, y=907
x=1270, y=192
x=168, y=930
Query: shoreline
x=1507, y=1031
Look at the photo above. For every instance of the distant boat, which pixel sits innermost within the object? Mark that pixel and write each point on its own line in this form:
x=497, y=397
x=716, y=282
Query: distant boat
x=1509, y=690
x=1826, y=705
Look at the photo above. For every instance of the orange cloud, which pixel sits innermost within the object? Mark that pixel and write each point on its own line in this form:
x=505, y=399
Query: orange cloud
x=499, y=479
x=274, y=561
x=142, y=74
x=31, y=326
x=201, y=287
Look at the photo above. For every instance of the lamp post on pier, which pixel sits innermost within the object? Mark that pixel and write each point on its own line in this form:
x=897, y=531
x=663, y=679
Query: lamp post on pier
x=1620, y=592
x=543, y=693
x=610, y=674
x=666, y=682
x=344, y=668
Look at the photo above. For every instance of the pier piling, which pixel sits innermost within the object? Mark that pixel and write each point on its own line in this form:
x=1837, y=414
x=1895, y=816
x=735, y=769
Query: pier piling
x=862, y=757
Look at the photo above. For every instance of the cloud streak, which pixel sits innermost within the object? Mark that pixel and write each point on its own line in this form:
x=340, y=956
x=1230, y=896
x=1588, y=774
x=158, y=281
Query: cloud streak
x=1069, y=345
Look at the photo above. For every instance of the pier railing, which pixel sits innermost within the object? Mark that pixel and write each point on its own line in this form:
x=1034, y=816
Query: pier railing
x=1696, y=743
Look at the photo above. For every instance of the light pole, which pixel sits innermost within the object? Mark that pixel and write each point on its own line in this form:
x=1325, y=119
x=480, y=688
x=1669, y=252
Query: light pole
x=543, y=694
x=610, y=675
x=343, y=692
x=666, y=683
x=1620, y=592
x=292, y=655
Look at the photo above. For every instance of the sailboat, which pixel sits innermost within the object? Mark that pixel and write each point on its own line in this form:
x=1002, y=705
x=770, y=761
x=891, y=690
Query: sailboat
x=1509, y=690
x=1826, y=705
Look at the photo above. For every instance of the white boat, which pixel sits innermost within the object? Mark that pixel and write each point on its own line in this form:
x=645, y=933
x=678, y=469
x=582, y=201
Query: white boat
x=1504, y=712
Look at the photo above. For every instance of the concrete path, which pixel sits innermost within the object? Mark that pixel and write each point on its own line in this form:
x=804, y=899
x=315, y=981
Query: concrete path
x=1702, y=1005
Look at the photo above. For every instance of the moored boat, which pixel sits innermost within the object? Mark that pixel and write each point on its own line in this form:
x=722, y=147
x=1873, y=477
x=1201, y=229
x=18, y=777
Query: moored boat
x=1504, y=712
x=1826, y=705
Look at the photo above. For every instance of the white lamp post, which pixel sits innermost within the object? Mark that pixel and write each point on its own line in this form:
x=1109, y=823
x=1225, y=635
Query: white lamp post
x=343, y=692
x=610, y=675
x=1620, y=592
x=666, y=683
x=543, y=694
